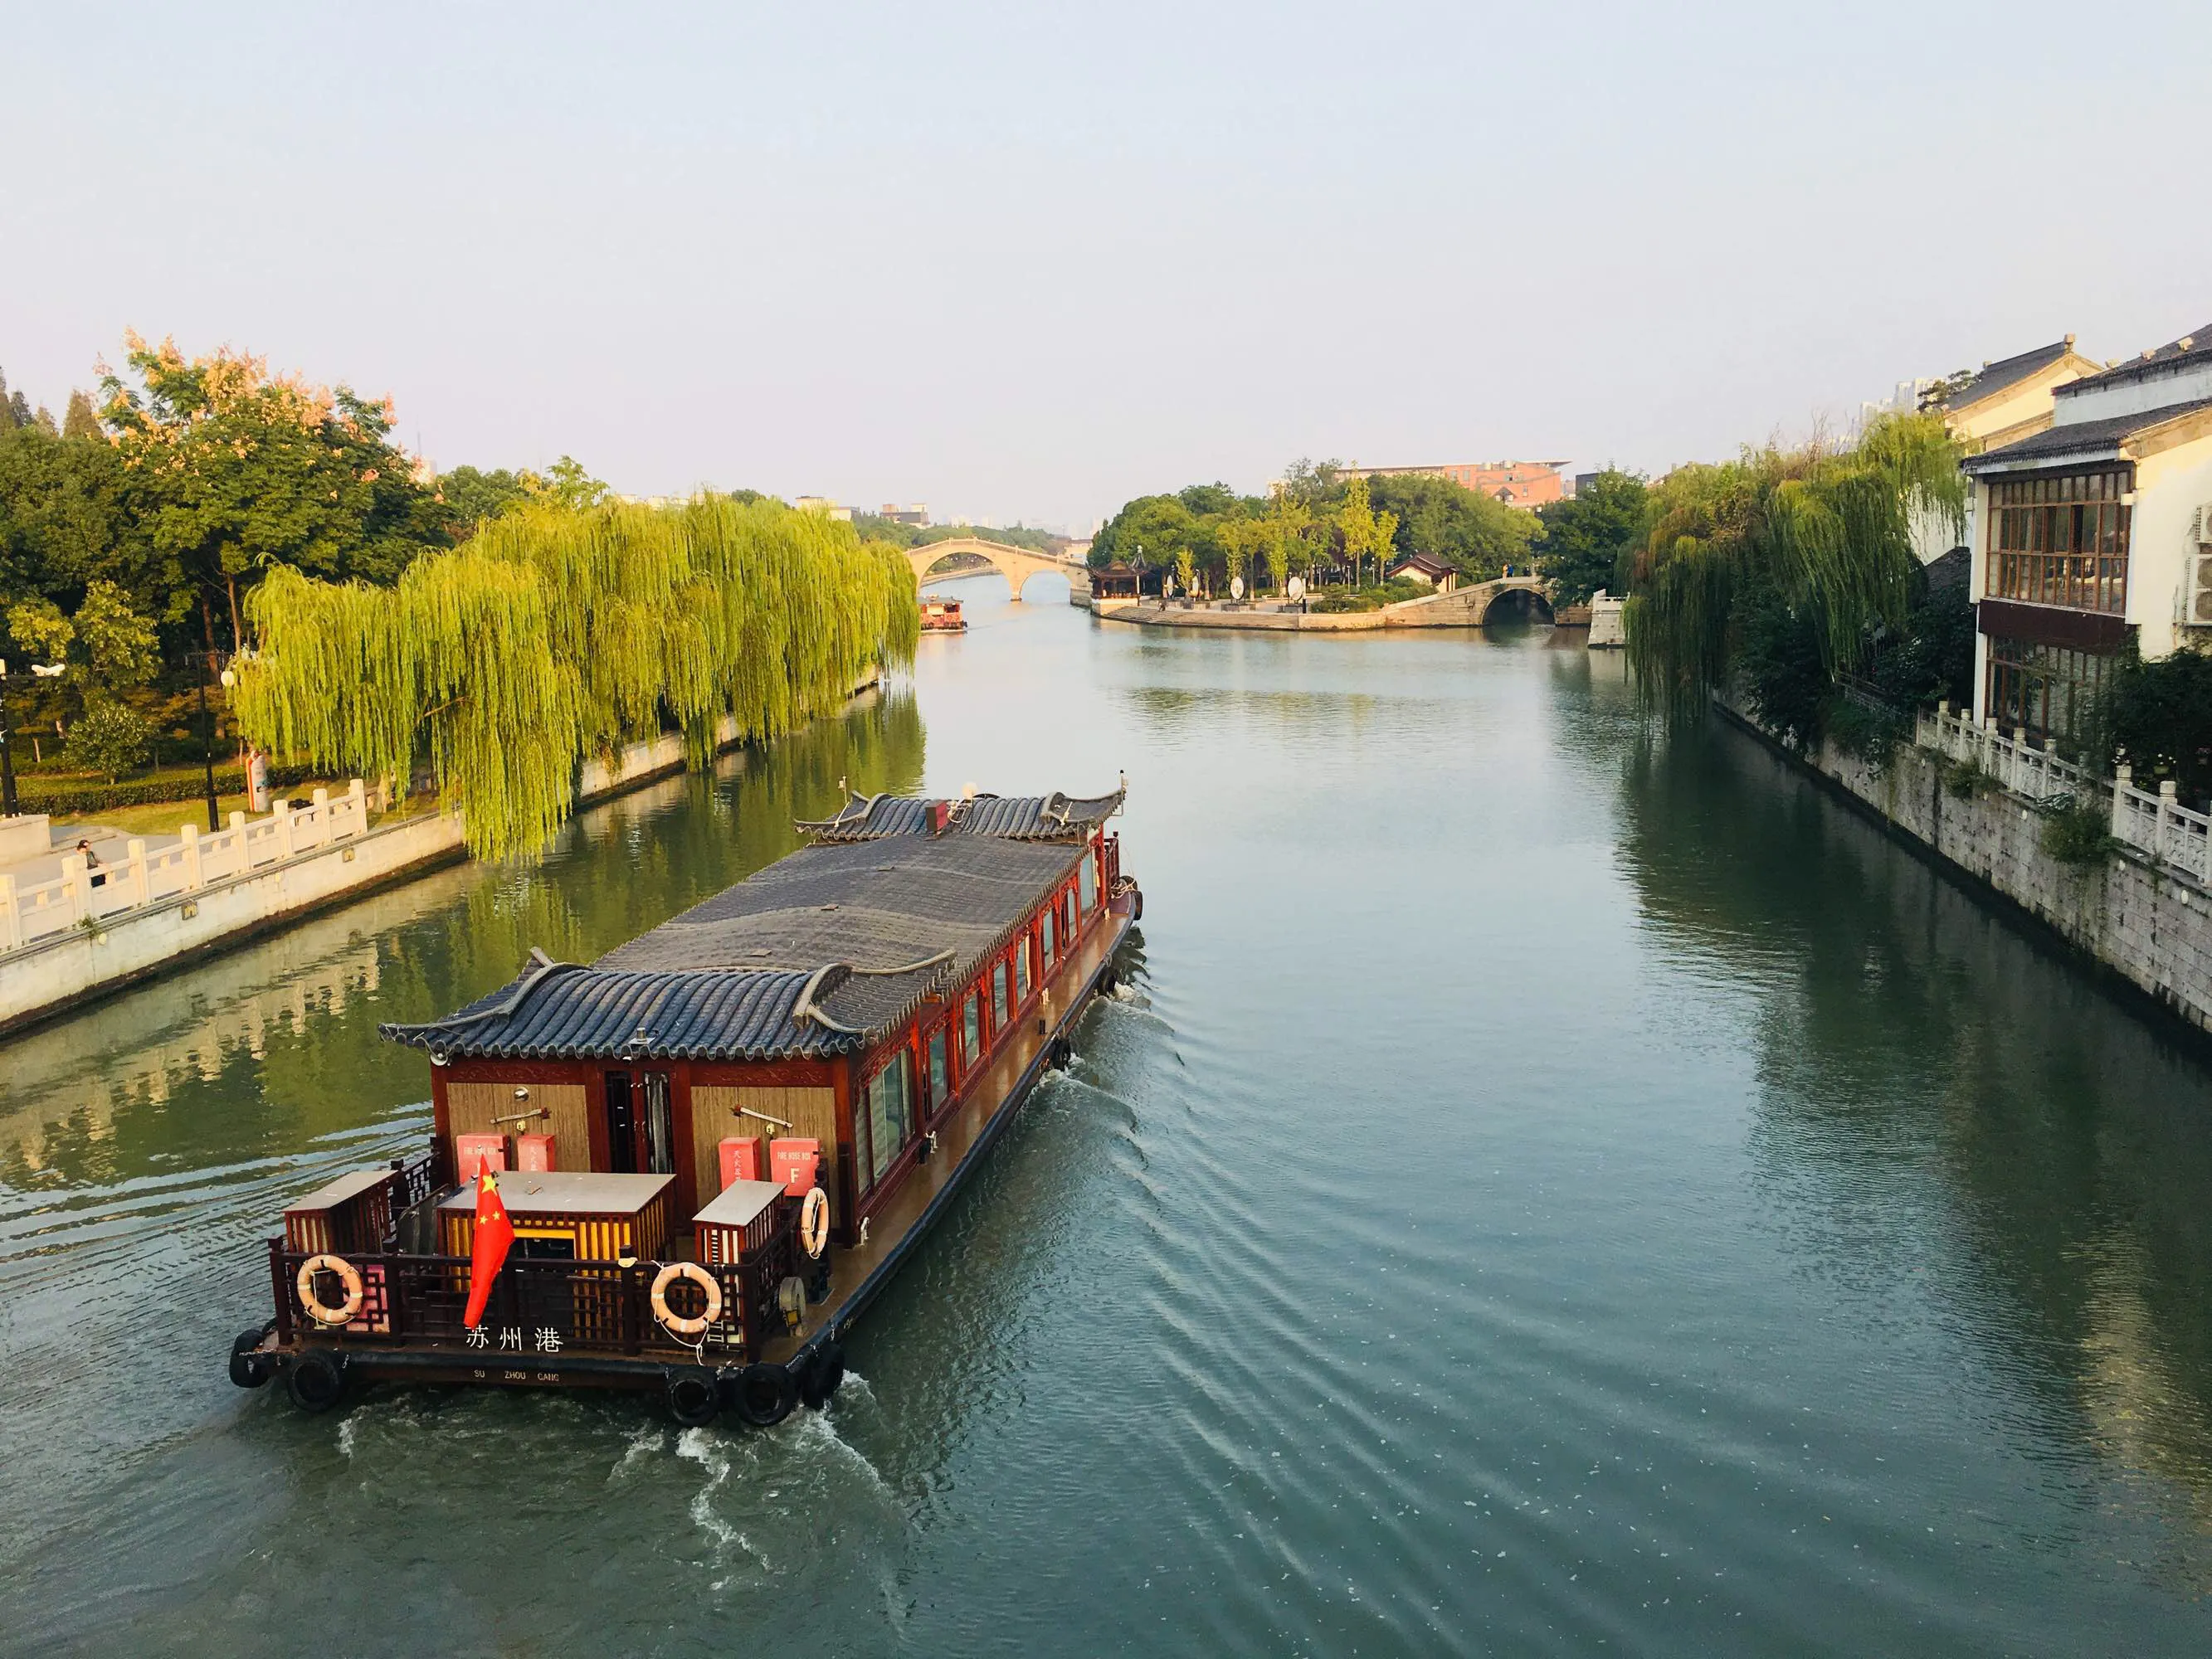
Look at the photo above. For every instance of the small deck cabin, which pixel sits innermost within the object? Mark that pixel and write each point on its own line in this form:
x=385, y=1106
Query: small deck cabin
x=942, y=616
x=905, y=976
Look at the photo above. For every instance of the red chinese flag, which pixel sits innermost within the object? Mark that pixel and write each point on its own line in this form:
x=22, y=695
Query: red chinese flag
x=495, y=1234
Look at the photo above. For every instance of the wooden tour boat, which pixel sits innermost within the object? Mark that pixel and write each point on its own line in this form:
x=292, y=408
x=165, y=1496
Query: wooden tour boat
x=941, y=616
x=715, y=1144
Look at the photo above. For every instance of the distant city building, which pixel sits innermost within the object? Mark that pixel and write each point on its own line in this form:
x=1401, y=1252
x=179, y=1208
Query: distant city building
x=823, y=504
x=1517, y=484
x=917, y=514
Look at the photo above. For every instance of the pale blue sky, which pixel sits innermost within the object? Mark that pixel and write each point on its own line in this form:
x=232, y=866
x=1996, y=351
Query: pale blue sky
x=1021, y=261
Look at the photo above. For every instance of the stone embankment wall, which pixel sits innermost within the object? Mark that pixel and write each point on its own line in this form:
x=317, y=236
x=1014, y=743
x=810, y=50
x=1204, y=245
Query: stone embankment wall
x=2144, y=921
x=110, y=952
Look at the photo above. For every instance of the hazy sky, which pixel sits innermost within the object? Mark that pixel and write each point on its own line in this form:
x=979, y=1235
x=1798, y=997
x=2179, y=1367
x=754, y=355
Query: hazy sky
x=1027, y=261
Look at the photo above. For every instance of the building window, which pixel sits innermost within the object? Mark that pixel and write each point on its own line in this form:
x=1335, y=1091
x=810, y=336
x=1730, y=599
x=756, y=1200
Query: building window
x=889, y=1123
x=940, y=1068
x=2060, y=540
x=971, y=1033
x=2047, y=688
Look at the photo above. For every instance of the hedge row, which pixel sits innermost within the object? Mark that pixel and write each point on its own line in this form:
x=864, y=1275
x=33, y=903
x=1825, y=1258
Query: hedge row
x=58, y=800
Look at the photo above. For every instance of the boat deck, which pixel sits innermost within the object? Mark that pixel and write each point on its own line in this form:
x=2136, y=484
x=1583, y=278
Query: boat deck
x=996, y=1094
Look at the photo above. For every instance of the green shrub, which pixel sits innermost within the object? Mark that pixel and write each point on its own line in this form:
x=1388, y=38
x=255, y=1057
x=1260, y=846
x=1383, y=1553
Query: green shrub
x=111, y=740
x=1965, y=779
x=62, y=797
x=1868, y=733
x=2081, y=835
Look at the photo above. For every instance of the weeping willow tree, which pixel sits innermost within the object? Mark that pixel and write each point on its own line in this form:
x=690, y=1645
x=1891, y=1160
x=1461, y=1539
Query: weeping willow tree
x=1823, y=537
x=556, y=635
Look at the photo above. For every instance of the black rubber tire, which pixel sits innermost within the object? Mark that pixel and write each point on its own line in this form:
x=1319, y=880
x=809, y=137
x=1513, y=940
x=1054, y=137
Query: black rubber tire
x=765, y=1394
x=316, y=1380
x=694, y=1396
x=249, y=1369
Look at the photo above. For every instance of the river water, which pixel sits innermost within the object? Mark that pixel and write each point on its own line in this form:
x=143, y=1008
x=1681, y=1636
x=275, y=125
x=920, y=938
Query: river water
x=1543, y=1191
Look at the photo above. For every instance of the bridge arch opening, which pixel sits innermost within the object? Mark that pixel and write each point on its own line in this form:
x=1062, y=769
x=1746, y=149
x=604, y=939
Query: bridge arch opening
x=1521, y=607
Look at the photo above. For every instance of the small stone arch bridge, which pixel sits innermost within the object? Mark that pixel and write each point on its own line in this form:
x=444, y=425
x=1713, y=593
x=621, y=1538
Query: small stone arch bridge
x=1470, y=606
x=1016, y=564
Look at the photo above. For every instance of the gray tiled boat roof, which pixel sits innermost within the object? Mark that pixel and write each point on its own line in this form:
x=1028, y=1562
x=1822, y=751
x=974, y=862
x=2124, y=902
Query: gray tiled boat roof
x=1015, y=817
x=815, y=955
x=2092, y=439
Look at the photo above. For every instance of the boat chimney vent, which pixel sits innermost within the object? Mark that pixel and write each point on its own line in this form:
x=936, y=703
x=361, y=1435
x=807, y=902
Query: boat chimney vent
x=940, y=816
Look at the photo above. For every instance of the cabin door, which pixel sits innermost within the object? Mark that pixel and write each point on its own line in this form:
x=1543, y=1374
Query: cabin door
x=641, y=1128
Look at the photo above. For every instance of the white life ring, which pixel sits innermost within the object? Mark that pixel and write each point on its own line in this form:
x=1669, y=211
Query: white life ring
x=699, y=1276
x=814, y=1222
x=348, y=1275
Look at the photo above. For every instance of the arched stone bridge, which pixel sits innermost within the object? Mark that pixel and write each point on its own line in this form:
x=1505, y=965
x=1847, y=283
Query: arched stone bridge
x=1470, y=606
x=1016, y=564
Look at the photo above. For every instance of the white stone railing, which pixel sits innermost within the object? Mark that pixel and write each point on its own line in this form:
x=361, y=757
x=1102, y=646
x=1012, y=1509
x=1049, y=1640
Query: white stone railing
x=32, y=911
x=2156, y=825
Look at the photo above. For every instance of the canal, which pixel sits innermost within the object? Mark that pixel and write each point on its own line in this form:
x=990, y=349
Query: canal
x=1543, y=1191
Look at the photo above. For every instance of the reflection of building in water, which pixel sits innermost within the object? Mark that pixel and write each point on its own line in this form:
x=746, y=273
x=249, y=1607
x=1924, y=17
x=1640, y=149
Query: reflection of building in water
x=54, y=1078
x=2141, y=1414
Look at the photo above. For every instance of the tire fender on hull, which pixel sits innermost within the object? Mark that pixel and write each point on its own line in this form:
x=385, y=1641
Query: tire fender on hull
x=316, y=1380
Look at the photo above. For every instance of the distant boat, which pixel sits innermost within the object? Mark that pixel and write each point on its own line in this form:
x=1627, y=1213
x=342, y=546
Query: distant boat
x=941, y=616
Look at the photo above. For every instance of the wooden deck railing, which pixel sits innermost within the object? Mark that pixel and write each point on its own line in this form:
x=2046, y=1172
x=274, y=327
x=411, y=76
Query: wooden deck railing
x=537, y=1308
x=32, y=911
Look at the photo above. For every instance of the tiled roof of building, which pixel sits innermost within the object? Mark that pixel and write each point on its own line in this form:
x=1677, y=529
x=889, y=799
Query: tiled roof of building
x=1013, y=817
x=2091, y=440
x=2188, y=350
x=815, y=955
x=1422, y=562
x=2007, y=372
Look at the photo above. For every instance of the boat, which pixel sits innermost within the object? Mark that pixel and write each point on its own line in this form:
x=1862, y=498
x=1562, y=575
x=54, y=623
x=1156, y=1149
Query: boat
x=713, y=1146
x=941, y=616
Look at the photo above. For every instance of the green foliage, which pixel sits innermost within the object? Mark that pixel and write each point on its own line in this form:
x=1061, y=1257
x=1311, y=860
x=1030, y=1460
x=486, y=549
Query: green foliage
x=1931, y=658
x=554, y=634
x=1828, y=532
x=1871, y=734
x=110, y=739
x=38, y=628
x=1474, y=533
x=184, y=785
x=1588, y=540
x=566, y=485
x=121, y=646
x=1965, y=779
x=1393, y=592
x=66, y=518
x=234, y=470
x=2157, y=716
x=80, y=420
x=471, y=495
x=1778, y=664
x=2080, y=835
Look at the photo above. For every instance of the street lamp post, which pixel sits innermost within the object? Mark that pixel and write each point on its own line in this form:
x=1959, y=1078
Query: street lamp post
x=209, y=661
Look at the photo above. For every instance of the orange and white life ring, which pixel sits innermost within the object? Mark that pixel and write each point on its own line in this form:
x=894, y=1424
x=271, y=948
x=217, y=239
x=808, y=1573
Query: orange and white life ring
x=814, y=1222
x=699, y=1276
x=348, y=1275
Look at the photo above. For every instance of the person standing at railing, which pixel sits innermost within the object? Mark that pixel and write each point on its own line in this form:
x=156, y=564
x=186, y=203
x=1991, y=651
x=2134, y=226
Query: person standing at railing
x=92, y=864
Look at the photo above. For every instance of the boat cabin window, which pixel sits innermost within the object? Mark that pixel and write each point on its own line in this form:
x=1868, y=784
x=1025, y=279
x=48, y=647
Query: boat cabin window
x=971, y=1033
x=940, y=1068
x=640, y=1132
x=1086, y=884
x=1046, y=935
x=1022, y=970
x=1002, y=1009
x=545, y=1247
x=888, y=1123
